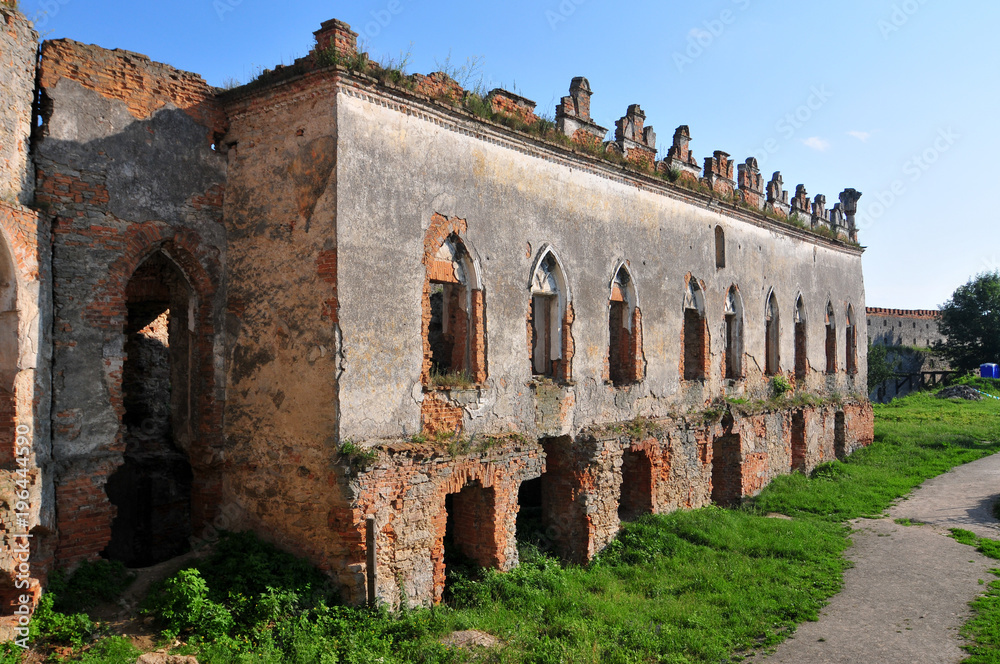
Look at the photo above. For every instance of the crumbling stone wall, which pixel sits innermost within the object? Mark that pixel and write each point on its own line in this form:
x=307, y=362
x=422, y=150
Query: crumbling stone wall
x=127, y=169
x=654, y=466
x=406, y=490
x=25, y=321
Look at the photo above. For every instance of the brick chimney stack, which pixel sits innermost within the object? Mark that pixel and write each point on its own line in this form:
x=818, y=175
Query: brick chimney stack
x=339, y=35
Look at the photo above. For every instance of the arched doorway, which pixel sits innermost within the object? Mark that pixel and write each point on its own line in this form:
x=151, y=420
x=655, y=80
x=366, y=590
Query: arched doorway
x=152, y=489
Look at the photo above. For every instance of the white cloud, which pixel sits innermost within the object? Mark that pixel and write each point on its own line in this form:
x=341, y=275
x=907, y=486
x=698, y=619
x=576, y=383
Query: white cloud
x=862, y=136
x=817, y=143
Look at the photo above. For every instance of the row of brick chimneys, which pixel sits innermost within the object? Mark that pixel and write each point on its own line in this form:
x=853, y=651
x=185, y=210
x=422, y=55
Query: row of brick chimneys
x=637, y=143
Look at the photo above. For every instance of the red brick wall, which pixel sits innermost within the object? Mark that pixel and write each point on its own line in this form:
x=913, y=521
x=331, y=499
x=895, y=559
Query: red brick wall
x=132, y=78
x=439, y=416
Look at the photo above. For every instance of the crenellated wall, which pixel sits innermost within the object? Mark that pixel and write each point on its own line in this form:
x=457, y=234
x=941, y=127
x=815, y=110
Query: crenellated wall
x=904, y=327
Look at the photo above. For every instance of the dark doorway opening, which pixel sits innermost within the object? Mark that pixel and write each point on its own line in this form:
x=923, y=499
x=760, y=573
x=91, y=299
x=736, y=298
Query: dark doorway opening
x=470, y=533
x=637, y=486
x=799, y=441
x=152, y=489
x=727, y=470
x=840, y=436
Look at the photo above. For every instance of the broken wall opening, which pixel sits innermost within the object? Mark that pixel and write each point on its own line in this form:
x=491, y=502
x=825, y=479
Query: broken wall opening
x=772, y=338
x=798, y=441
x=852, y=343
x=470, y=532
x=624, y=332
x=840, y=436
x=151, y=491
x=549, y=321
x=801, y=361
x=831, y=340
x=454, y=315
x=727, y=467
x=538, y=525
x=695, y=336
x=636, y=495
x=734, y=335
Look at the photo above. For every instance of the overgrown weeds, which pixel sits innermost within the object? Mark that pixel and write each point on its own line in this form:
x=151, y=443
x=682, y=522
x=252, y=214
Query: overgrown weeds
x=453, y=380
x=356, y=456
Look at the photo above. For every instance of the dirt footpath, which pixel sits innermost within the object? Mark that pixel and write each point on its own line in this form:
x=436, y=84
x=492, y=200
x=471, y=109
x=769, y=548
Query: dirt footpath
x=908, y=594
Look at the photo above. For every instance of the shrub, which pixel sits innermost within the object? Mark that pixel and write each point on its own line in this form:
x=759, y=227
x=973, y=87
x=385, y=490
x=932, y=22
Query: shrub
x=51, y=625
x=9, y=653
x=780, y=385
x=182, y=604
x=91, y=583
x=357, y=456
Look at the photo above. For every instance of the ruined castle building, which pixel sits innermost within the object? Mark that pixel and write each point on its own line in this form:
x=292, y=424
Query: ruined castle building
x=326, y=295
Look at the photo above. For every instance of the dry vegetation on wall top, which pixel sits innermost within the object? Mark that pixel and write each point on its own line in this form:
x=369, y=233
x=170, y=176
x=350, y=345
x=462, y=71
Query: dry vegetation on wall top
x=443, y=88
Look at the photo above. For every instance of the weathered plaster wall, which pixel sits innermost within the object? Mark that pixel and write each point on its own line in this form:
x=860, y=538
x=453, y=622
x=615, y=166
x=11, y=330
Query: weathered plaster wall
x=18, y=60
x=516, y=198
x=126, y=168
x=282, y=335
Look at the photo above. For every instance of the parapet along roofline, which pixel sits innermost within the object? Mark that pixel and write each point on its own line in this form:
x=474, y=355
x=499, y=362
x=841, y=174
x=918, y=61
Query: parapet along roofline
x=626, y=171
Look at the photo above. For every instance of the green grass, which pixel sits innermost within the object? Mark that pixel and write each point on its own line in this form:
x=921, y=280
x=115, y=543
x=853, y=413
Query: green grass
x=984, y=628
x=688, y=587
x=908, y=522
x=915, y=439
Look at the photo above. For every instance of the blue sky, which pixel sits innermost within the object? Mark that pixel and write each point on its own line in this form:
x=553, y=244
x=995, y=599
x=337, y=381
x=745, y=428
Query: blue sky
x=896, y=98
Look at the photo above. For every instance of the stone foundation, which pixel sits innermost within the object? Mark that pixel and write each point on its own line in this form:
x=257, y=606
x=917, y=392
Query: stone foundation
x=587, y=484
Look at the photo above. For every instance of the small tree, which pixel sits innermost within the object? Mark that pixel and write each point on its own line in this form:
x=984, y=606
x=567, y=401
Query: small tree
x=971, y=322
x=880, y=368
